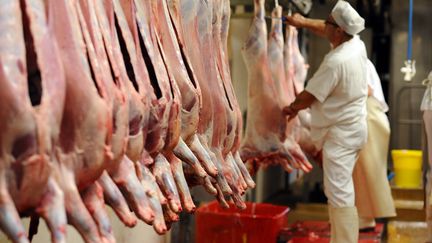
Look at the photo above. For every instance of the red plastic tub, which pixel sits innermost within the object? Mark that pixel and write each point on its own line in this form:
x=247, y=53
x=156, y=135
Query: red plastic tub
x=258, y=223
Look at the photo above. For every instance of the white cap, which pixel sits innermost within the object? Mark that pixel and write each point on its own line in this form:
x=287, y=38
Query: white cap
x=347, y=18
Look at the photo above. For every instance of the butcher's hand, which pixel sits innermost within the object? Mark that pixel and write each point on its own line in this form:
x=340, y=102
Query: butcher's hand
x=289, y=112
x=317, y=26
x=296, y=20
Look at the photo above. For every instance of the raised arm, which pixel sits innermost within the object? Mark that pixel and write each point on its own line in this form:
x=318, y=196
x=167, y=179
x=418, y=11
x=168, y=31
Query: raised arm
x=317, y=26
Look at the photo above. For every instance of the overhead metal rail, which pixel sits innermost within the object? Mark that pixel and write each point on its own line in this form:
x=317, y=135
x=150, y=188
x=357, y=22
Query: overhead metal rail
x=302, y=6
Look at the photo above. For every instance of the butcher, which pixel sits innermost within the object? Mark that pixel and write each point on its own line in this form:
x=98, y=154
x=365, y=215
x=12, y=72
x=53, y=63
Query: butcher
x=336, y=95
x=372, y=189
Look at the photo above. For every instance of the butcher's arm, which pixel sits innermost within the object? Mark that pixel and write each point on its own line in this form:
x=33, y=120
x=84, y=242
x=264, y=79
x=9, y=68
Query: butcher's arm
x=302, y=101
x=317, y=26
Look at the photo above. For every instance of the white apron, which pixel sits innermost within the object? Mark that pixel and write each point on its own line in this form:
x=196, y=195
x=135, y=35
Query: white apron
x=372, y=190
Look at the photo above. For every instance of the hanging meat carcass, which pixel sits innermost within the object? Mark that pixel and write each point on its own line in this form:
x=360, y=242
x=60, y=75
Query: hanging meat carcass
x=115, y=99
x=220, y=133
x=266, y=127
x=300, y=68
x=87, y=122
x=29, y=62
x=126, y=48
x=164, y=130
x=132, y=109
x=282, y=73
x=196, y=25
x=214, y=133
x=179, y=67
x=230, y=167
x=191, y=102
x=189, y=118
x=224, y=65
x=135, y=94
x=188, y=20
x=296, y=71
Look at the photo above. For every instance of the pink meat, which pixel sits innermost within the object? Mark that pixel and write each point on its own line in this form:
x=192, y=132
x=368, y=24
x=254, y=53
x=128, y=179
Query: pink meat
x=226, y=13
x=128, y=56
x=86, y=125
x=165, y=131
x=227, y=99
x=296, y=71
x=266, y=130
x=31, y=127
x=284, y=72
x=190, y=114
x=177, y=70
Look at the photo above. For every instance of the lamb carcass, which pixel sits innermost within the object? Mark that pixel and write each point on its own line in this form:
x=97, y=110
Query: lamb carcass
x=195, y=22
x=117, y=167
x=164, y=130
x=29, y=62
x=87, y=120
x=179, y=67
x=266, y=127
x=214, y=133
x=189, y=24
x=191, y=104
x=296, y=71
x=190, y=100
x=140, y=198
x=223, y=65
x=227, y=99
x=282, y=66
x=135, y=92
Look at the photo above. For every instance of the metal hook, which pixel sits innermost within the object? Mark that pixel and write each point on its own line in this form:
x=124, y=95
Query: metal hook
x=409, y=70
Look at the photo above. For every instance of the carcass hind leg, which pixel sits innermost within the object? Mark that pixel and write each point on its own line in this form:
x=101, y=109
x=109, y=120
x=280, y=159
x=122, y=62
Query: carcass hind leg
x=177, y=170
x=244, y=171
x=170, y=216
x=220, y=197
x=52, y=210
x=10, y=222
x=240, y=177
x=165, y=180
x=116, y=201
x=193, y=180
x=77, y=213
x=221, y=179
x=183, y=152
x=131, y=188
x=153, y=193
x=93, y=200
x=203, y=156
x=234, y=182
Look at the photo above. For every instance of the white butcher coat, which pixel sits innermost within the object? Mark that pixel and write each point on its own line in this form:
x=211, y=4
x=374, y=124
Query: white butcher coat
x=375, y=84
x=338, y=117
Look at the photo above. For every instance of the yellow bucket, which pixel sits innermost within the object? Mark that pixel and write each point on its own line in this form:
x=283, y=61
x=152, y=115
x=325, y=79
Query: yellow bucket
x=407, y=166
